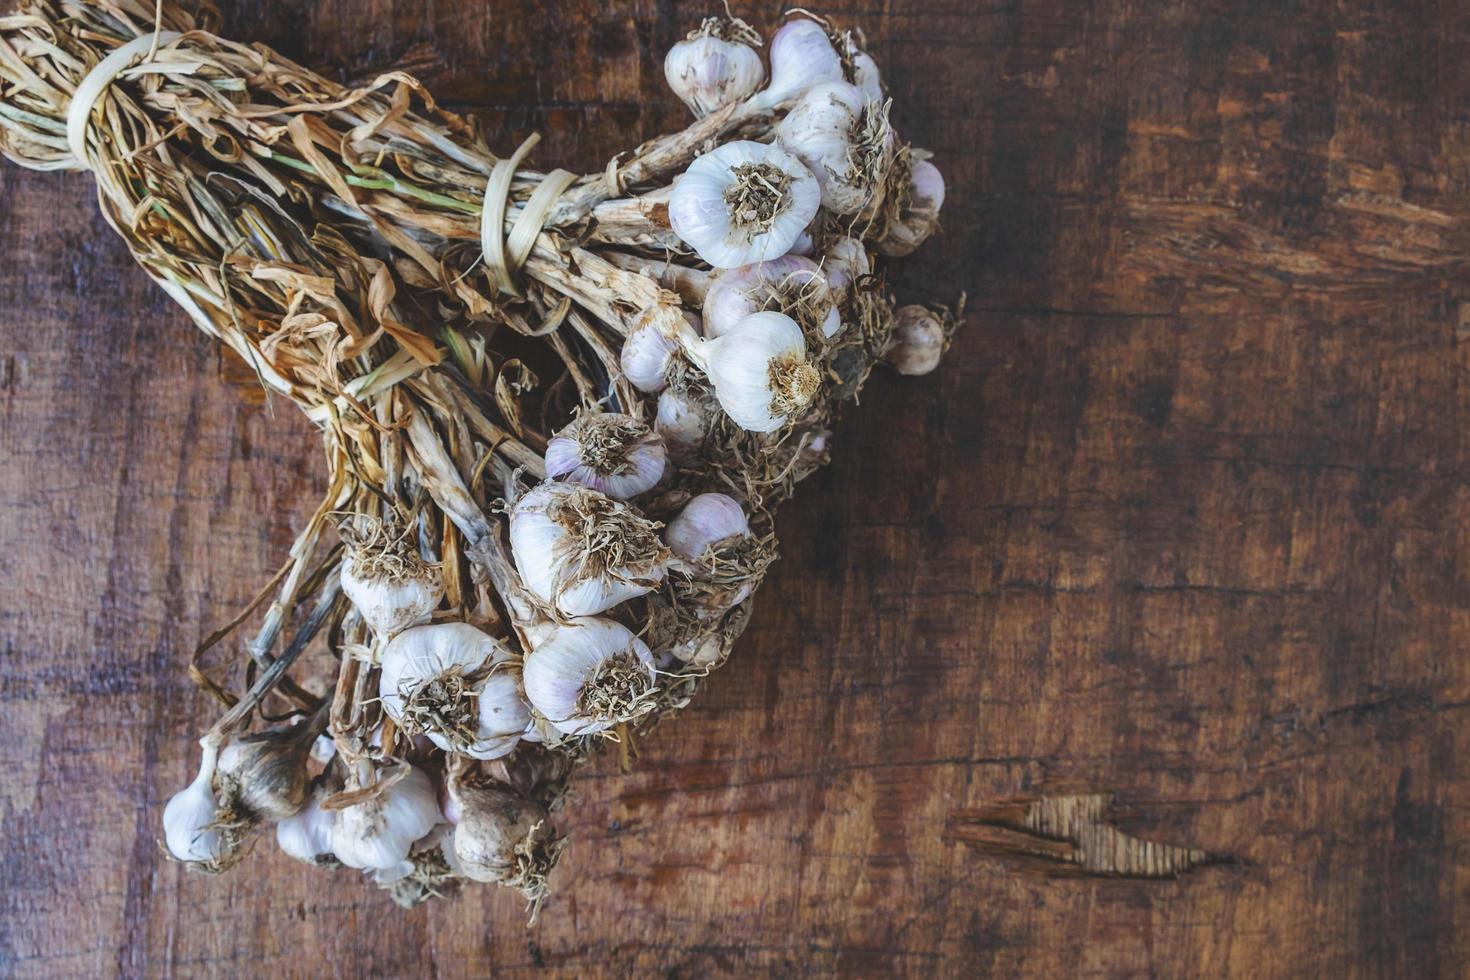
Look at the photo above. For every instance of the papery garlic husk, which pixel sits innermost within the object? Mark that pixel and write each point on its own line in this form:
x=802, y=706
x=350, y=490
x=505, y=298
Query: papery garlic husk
x=918, y=212
x=590, y=675
x=195, y=831
x=307, y=834
x=918, y=341
x=503, y=837
x=391, y=585
x=264, y=774
x=683, y=420
x=609, y=452
x=715, y=66
x=458, y=686
x=760, y=372
x=802, y=56
x=707, y=522
x=844, y=140
x=845, y=263
x=582, y=552
x=650, y=353
x=792, y=284
x=379, y=833
x=743, y=202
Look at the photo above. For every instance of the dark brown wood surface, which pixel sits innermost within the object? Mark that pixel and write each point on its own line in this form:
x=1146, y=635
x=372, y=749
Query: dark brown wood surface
x=1132, y=642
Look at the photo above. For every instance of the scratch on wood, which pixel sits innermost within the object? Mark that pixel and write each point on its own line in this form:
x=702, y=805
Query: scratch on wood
x=1067, y=834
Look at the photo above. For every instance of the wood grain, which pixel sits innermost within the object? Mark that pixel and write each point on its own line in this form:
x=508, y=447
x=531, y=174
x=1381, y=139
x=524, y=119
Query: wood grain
x=1182, y=521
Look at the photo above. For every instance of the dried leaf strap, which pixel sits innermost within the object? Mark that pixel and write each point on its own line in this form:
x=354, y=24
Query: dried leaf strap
x=505, y=254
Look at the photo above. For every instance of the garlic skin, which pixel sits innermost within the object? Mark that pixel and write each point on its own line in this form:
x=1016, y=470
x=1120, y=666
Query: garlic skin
x=846, y=262
x=590, y=675
x=743, y=202
x=458, y=686
x=500, y=836
x=760, y=372
x=378, y=834
x=859, y=68
x=581, y=551
x=707, y=521
x=614, y=454
x=708, y=71
x=792, y=284
x=682, y=421
x=844, y=140
x=920, y=216
x=649, y=353
x=386, y=579
x=307, y=834
x=801, y=56
x=918, y=341
x=264, y=775
x=190, y=830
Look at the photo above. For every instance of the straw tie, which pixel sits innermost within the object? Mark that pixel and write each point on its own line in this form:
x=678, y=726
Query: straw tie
x=506, y=253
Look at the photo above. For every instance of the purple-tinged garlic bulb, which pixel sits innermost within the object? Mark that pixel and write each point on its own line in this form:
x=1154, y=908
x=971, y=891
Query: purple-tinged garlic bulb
x=845, y=264
x=590, y=675
x=743, y=202
x=614, y=454
x=802, y=56
x=682, y=420
x=792, y=284
x=845, y=140
x=708, y=521
x=760, y=371
x=918, y=341
x=715, y=66
x=919, y=215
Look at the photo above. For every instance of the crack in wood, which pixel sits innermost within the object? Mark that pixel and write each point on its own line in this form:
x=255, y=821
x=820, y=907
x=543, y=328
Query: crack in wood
x=1068, y=834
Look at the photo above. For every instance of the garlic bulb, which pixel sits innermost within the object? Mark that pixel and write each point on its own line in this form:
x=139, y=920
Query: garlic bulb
x=378, y=833
x=683, y=423
x=743, y=202
x=792, y=284
x=386, y=579
x=919, y=215
x=590, y=675
x=760, y=372
x=193, y=829
x=858, y=67
x=582, y=551
x=715, y=66
x=918, y=341
x=844, y=140
x=846, y=262
x=801, y=56
x=264, y=775
x=649, y=353
x=612, y=453
x=458, y=686
x=502, y=837
x=307, y=834
x=708, y=521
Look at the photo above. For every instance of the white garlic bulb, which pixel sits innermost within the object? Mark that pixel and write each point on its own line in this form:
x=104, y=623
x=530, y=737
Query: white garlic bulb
x=792, y=284
x=307, y=834
x=846, y=262
x=386, y=579
x=715, y=66
x=918, y=341
x=590, y=675
x=500, y=836
x=378, y=834
x=582, y=551
x=743, y=202
x=859, y=68
x=801, y=56
x=683, y=422
x=609, y=452
x=844, y=140
x=649, y=353
x=458, y=686
x=920, y=214
x=760, y=372
x=191, y=828
x=709, y=520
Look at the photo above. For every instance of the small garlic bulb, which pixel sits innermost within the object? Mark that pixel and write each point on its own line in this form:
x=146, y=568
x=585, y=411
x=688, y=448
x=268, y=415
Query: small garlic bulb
x=760, y=372
x=590, y=675
x=683, y=422
x=458, y=686
x=920, y=213
x=801, y=56
x=715, y=66
x=918, y=341
x=615, y=454
x=264, y=774
x=378, y=834
x=792, y=284
x=307, y=834
x=386, y=579
x=582, y=551
x=650, y=352
x=858, y=67
x=743, y=202
x=845, y=140
x=192, y=827
x=708, y=521
x=502, y=837
x=846, y=262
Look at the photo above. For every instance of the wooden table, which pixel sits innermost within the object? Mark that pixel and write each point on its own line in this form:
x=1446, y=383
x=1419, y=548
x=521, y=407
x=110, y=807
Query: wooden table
x=1131, y=642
